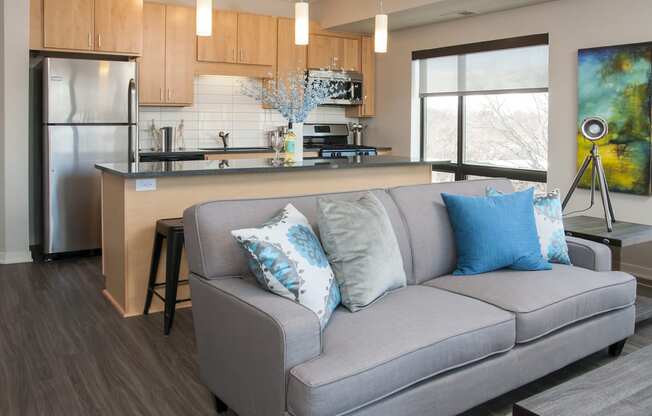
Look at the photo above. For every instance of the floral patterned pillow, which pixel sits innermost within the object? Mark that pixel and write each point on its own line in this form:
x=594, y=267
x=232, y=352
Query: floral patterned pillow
x=550, y=226
x=287, y=259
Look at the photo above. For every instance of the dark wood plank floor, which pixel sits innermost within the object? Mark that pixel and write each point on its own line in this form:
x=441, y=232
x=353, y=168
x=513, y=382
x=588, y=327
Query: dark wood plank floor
x=65, y=351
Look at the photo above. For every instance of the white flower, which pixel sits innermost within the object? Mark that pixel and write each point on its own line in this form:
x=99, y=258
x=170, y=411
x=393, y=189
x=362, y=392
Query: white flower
x=294, y=97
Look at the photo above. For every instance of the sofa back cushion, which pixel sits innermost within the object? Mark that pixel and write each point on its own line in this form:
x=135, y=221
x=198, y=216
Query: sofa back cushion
x=212, y=252
x=427, y=223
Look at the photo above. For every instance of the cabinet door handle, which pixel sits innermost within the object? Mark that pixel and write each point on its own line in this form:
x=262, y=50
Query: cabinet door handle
x=241, y=55
x=235, y=57
x=99, y=40
x=90, y=40
x=169, y=94
x=160, y=91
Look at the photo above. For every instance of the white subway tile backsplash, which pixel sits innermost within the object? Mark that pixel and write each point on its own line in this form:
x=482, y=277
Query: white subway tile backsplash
x=218, y=106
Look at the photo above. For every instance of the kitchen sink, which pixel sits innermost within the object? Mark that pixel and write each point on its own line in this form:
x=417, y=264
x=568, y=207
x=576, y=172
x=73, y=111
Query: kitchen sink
x=237, y=149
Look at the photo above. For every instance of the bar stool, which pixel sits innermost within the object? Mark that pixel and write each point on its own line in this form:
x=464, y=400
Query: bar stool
x=172, y=230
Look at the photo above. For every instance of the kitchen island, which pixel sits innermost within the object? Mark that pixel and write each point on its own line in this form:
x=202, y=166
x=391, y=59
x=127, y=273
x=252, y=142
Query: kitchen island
x=135, y=196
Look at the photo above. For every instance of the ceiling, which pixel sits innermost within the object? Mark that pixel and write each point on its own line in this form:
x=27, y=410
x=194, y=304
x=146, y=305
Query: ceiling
x=436, y=11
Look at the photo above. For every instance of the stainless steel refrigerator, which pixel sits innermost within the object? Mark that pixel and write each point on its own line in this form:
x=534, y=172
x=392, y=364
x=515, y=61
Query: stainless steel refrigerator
x=90, y=116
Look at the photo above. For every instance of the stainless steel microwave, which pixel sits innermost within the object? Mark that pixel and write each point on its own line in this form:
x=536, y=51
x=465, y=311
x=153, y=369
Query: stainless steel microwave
x=347, y=86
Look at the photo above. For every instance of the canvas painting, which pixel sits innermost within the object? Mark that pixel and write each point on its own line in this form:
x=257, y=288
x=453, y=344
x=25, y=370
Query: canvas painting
x=615, y=84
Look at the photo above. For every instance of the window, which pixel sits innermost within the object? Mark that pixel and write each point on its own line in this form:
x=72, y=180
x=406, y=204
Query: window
x=484, y=108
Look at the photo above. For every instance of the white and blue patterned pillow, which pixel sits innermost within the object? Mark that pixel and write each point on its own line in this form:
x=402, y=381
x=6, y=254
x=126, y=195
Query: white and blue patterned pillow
x=550, y=226
x=287, y=259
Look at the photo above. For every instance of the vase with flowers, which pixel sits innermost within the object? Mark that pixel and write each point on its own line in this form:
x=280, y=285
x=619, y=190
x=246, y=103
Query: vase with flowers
x=294, y=97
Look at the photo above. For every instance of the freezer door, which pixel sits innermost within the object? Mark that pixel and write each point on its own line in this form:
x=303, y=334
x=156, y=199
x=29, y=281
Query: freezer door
x=79, y=91
x=72, y=184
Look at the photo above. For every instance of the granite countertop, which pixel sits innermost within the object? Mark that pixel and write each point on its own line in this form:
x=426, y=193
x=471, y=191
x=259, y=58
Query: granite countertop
x=217, y=167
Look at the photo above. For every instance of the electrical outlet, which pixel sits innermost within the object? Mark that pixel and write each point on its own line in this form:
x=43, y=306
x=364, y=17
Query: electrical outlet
x=144, y=185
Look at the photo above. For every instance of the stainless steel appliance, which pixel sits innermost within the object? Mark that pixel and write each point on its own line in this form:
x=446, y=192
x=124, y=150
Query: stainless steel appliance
x=357, y=130
x=333, y=141
x=347, y=86
x=90, y=116
x=167, y=139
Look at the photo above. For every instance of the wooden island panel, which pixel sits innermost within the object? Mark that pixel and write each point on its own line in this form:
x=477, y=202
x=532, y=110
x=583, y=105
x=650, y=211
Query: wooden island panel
x=129, y=216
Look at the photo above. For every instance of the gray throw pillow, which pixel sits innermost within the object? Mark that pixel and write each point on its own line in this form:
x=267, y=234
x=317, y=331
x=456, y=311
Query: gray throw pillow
x=361, y=246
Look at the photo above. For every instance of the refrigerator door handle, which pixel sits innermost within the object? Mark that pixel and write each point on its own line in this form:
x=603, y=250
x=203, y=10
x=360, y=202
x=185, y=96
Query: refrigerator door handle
x=132, y=111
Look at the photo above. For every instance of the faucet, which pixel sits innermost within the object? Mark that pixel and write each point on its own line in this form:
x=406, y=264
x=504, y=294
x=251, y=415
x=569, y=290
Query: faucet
x=225, y=138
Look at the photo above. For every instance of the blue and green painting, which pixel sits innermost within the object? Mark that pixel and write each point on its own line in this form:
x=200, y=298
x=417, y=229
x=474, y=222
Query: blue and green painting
x=615, y=84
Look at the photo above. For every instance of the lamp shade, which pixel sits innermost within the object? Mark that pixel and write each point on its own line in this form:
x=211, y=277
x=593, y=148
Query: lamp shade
x=301, y=23
x=380, y=37
x=204, y=17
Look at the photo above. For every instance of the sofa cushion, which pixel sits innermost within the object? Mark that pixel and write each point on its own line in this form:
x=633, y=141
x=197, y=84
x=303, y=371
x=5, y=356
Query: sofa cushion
x=494, y=232
x=407, y=336
x=359, y=240
x=545, y=301
x=426, y=220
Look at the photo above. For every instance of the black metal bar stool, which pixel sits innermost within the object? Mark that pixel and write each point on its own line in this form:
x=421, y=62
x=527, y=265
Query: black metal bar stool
x=172, y=230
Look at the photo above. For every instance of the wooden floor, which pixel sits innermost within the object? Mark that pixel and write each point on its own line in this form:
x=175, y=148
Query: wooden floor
x=65, y=351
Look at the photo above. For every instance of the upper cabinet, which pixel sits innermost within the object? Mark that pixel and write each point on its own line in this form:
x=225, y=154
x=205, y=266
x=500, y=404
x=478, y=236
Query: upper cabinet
x=68, y=24
x=166, y=68
x=179, y=54
x=119, y=26
x=240, y=38
x=222, y=46
x=291, y=57
x=368, y=68
x=334, y=52
x=256, y=39
x=104, y=26
x=151, y=65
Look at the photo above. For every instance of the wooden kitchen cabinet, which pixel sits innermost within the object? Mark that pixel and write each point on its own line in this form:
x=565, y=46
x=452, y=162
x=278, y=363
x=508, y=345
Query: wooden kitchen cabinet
x=151, y=65
x=322, y=51
x=119, y=26
x=180, y=54
x=350, y=55
x=68, y=24
x=290, y=57
x=368, y=69
x=333, y=52
x=98, y=26
x=256, y=39
x=166, y=68
x=222, y=46
x=239, y=38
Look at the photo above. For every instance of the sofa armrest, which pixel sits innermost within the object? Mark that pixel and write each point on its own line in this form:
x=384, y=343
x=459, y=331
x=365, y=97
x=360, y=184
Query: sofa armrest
x=247, y=340
x=589, y=254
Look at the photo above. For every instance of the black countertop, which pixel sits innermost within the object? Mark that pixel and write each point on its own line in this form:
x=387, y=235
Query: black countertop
x=218, y=167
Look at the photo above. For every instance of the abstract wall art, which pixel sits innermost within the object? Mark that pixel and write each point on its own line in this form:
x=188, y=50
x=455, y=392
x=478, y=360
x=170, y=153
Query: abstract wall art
x=615, y=83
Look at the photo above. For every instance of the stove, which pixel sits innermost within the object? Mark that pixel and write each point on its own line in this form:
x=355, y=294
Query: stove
x=332, y=141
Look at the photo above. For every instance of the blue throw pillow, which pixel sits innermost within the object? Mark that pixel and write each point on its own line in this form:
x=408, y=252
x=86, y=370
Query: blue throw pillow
x=550, y=226
x=495, y=232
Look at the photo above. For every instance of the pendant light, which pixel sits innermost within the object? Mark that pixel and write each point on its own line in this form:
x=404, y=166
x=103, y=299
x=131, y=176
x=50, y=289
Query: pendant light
x=380, y=36
x=204, y=17
x=301, y=23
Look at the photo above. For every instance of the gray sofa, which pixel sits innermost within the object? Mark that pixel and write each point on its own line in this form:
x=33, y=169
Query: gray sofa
x=439, y=346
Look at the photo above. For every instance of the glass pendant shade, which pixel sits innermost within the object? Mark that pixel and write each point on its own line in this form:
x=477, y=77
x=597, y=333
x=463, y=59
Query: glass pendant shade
x=301, y=23
x=204, y=17
x=380, y=38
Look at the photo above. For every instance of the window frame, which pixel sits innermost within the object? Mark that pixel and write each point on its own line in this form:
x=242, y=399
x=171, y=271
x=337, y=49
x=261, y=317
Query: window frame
x=459, y=168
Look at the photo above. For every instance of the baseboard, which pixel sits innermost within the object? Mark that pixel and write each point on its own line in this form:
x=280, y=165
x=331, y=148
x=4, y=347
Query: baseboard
x=11, y=257
x=643, y=273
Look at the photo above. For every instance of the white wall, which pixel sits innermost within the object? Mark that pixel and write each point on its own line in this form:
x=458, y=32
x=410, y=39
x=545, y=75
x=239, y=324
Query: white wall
x=218, y=106
x=572, y=25
x=14, y=61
